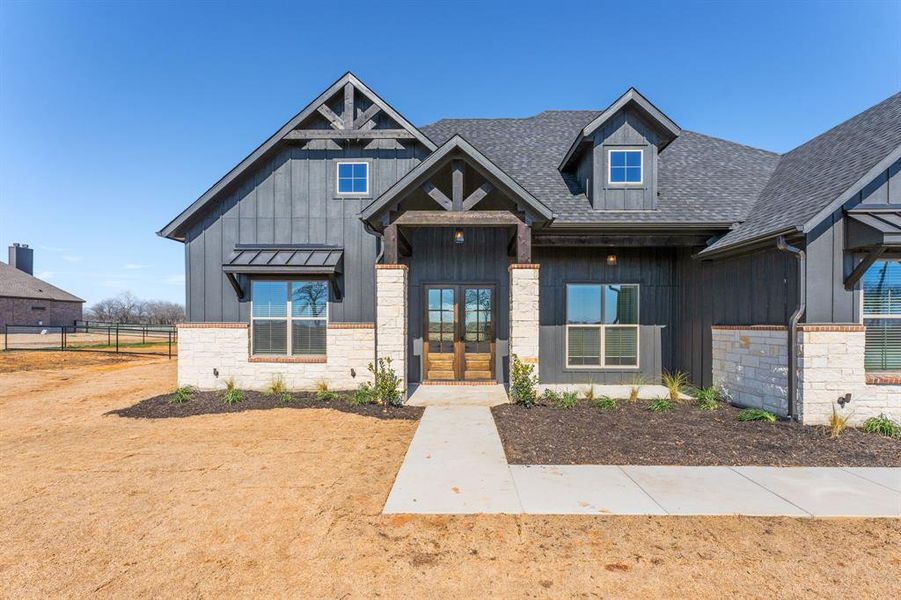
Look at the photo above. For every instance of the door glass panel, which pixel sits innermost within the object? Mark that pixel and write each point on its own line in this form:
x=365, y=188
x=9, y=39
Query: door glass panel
x=441, y=320
x=477, y=319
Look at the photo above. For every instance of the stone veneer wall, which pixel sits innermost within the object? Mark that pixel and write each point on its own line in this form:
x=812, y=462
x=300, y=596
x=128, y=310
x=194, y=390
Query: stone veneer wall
x=225, y=347
x=391, y=282
x=750, y=366
x=830, y=365
x=524, y=305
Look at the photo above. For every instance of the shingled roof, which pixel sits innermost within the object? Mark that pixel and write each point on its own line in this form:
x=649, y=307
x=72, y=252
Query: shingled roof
x=19, y=284
x=816, y=174
x=701, y=179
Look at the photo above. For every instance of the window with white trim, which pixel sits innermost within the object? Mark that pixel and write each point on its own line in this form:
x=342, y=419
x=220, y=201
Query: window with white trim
x=882, y=315
x=288, y=318
x=601, y=325
x=352, y=178
x=624, y=166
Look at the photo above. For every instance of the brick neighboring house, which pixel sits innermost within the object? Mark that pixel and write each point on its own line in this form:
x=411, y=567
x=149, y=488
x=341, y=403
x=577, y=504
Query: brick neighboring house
x=601, y=246
x=27, y=300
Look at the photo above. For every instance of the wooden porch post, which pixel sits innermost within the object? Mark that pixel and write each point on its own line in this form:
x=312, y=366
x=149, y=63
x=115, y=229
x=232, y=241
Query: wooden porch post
x=390, y=240
x=523, y=244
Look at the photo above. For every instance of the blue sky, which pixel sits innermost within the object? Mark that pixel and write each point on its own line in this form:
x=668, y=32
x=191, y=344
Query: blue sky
x=116, y=116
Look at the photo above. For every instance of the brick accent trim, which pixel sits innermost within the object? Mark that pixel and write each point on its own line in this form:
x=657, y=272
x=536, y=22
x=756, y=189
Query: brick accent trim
x=386, y=266
x=833, y=327
x=884, y=379
x=751, y=327
x=212, y=325
x=287, y=359
x=351, y=326
x=523, y=266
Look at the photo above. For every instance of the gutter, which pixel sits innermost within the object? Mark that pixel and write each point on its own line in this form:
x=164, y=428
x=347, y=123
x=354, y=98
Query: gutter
x=793, y=321
x=375, y=290
x=759, y=239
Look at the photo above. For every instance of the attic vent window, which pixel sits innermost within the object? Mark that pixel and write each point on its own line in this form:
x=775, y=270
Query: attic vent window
x=353, y=178
x=625, y=166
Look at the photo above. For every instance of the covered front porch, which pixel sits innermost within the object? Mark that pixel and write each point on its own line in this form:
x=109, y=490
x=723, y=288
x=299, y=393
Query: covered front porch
x=457, y=293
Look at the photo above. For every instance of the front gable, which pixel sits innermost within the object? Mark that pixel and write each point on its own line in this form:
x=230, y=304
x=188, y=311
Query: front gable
x=456, y=178
x=347, y=118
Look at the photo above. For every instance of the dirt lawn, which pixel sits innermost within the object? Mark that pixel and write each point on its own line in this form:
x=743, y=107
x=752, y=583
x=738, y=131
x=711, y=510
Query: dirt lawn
x=286, y=503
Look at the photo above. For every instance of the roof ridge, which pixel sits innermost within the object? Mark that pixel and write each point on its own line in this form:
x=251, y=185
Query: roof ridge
x=733, y=143
x=862, y=114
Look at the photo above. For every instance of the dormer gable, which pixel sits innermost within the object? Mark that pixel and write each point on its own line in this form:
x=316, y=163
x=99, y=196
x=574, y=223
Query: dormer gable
x=614, y=157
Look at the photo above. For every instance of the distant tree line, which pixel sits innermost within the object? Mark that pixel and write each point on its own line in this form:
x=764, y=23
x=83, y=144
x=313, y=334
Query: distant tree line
x=128, y=308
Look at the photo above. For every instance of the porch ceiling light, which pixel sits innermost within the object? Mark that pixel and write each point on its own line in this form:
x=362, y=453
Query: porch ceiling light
x=611, y=260
x=458, y=237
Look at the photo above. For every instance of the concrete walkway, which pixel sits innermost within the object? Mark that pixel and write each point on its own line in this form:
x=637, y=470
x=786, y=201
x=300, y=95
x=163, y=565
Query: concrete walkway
x=456, y=465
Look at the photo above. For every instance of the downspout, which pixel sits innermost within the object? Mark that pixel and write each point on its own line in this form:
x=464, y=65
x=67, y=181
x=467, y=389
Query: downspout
x=375, y=292
x=793, y=322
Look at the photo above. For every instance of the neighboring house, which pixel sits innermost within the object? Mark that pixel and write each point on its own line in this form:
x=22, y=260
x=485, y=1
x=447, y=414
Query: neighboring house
x=602, y=247
x=27, y=300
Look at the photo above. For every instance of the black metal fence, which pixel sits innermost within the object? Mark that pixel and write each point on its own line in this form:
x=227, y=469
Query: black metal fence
x=120, y=338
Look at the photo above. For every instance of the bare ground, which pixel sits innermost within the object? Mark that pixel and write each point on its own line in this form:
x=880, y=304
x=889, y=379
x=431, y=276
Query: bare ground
x=287, y=503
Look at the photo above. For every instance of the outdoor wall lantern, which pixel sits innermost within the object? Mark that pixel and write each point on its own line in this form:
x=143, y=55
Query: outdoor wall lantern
x=611, y=260
x=458, y=237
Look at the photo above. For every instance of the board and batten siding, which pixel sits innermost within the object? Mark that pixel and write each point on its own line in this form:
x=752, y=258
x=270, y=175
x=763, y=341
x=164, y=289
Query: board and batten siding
x=680, y=299
x=829, y=264
x=753, y=289
x=625, y=130
x=651, y=268
x=291, y=199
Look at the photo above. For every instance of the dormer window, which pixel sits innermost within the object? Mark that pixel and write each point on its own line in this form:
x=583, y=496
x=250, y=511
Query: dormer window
x=353, y=178
x=625, y=166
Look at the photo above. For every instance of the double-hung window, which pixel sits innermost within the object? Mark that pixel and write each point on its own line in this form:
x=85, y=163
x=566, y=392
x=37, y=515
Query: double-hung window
x=625, y=166
x=353, y=178
x=288, y=318
x=601, y=325
x=882, y=315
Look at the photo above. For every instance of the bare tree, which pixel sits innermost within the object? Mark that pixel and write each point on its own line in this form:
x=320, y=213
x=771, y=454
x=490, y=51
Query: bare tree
x=128, y=308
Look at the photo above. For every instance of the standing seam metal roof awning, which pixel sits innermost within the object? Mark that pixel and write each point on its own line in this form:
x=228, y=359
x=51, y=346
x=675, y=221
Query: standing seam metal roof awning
x=283, y=259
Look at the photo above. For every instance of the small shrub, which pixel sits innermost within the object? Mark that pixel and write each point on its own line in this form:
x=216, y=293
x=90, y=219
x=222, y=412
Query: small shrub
x=882, y=425
x=605, y=402
x=568, y=400
x=182, y=394
x=523, y=383
x=276, y=387
x=674, y=383
x=661, y=405
x=589, y=393
x=837, y=423
x=635, y=388
x=550, y=397
x=232, y=394
x=756, y=414
x=323, y=394
x=363, y=395
x=385, y=387
x=707, y=398
x=286, y=397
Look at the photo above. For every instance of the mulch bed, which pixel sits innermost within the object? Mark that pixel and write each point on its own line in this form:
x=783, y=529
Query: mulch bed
x=632, y=435
x=208, y=403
